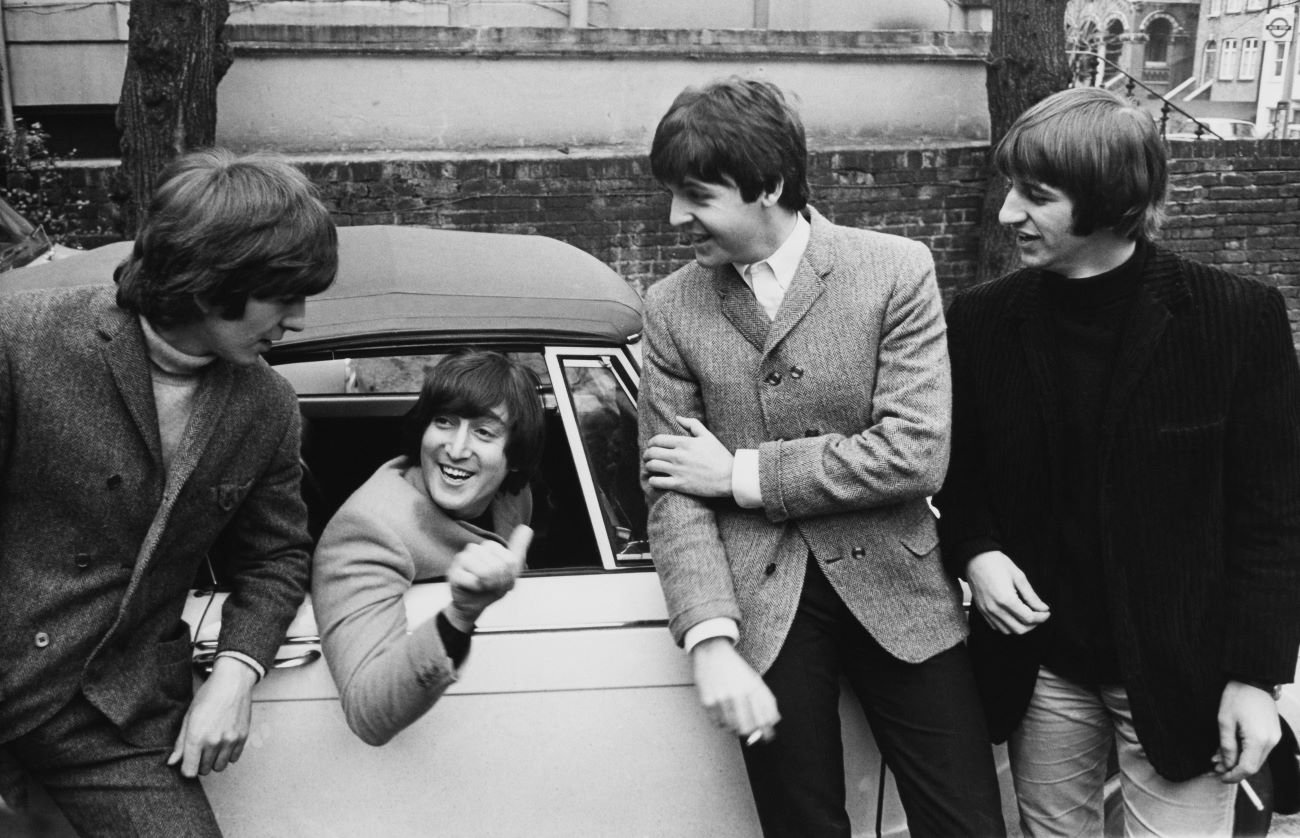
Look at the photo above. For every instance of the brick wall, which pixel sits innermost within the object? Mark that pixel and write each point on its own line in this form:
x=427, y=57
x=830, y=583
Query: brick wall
x=1234, y=204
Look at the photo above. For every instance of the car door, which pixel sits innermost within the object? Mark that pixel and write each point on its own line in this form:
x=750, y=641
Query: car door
x=575, y=713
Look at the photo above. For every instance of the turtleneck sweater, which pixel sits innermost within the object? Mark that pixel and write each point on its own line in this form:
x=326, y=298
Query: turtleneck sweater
x=176, y=376
x=1087, y=319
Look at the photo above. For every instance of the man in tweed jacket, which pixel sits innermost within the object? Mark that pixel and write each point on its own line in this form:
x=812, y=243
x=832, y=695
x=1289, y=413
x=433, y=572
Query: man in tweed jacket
x=1124, y=495
x=795, y=412
x=141, y=432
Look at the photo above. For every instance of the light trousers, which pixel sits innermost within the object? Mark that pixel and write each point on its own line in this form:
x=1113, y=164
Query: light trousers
x=1059, y=757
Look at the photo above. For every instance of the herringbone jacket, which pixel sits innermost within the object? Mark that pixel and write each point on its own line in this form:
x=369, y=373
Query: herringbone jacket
x=846, y=397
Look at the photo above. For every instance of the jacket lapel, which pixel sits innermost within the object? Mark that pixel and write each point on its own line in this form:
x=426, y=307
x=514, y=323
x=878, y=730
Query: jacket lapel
x=804, y=290
x=807, y=284
x=1163, y=291
x=128, y=362
x=739, y=306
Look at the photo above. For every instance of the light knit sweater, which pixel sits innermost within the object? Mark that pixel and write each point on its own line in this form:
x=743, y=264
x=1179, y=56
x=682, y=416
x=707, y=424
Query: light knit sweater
x=386, y=536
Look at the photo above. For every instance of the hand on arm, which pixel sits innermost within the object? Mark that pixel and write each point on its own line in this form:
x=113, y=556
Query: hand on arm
x=1002, y=594
x=697, y=465
x=216, y=725
x=733, y=694
x=483, y=573
x=1248, y=730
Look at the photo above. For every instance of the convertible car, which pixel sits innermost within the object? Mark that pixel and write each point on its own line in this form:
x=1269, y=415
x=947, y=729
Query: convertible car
x=575, y=714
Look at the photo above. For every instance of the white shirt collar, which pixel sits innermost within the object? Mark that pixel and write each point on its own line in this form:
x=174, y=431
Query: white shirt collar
x=785, y=261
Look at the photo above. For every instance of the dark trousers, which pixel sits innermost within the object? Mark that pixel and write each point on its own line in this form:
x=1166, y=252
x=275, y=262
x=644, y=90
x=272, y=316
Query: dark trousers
x=105, y=785
x=926, y=719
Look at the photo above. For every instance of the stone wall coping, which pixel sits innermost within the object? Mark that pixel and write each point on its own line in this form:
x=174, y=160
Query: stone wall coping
x=253, y=39
x=538, y=153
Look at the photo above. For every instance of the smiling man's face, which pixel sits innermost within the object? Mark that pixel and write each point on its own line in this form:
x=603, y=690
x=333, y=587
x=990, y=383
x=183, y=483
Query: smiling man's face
x=464, y=461
x=720, y=225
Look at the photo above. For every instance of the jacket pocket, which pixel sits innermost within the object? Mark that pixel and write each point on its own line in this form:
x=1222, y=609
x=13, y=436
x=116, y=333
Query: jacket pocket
x=920, y=536
x=229, y=495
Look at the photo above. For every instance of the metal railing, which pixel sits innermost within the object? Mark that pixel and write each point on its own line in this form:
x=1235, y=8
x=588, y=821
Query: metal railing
x=1132, y=82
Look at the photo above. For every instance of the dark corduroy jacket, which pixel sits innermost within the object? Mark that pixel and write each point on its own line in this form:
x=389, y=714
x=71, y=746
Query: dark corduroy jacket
x=1199, y=499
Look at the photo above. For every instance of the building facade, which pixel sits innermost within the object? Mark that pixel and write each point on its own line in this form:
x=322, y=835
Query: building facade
x=358, y=76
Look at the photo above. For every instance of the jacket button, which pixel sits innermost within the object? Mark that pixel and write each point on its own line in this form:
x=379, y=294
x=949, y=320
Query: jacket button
x=796, y=372
x=114, y=481
x=770, y=569
x=42, y=640
x=773, y=378
x=82, y=560
x=858, y=553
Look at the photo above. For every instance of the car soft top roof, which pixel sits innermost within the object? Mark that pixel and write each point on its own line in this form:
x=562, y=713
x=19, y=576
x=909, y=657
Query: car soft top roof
x=417, y=284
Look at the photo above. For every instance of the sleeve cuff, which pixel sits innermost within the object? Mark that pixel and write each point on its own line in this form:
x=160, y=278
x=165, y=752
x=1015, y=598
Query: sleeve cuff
x=454, y=641
x=246, y=660
x=709, y=629
x=745, y=488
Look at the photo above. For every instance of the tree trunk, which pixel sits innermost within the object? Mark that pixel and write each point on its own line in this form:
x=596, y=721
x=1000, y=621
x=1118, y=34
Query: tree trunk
x=176, y=54
x=1027, y=62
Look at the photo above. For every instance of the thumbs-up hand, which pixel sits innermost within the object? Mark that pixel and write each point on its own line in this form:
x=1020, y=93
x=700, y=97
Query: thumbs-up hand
x=482, y=573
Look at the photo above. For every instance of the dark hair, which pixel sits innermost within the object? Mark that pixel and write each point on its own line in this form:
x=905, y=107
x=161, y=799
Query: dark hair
x=1101, y=151
x=221, y=229
x=471, y=384
x=736, y=129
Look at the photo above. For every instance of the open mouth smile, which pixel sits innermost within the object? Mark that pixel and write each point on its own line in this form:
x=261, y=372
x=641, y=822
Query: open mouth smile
x=455, y=475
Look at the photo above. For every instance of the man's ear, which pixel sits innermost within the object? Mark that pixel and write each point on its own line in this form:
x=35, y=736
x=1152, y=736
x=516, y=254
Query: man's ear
x=772, y=196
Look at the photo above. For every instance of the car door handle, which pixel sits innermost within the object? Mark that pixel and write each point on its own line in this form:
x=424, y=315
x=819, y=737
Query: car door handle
x=205, y=654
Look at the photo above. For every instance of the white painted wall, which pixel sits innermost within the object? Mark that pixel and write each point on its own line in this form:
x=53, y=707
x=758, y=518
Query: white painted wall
x=366, y=103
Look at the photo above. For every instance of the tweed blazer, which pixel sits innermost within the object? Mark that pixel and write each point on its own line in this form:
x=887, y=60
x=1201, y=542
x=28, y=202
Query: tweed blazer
x=98, y=548
x=1199, y=476
x=386, y=536
x=846, y=397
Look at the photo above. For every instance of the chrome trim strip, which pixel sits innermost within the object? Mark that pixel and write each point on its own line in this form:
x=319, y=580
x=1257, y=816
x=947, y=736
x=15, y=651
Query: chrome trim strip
x=544, y=629
x=299, y=640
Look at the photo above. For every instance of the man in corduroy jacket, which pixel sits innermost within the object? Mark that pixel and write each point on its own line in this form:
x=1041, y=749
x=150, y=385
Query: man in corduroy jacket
x=1124, y=491
x=140, y=431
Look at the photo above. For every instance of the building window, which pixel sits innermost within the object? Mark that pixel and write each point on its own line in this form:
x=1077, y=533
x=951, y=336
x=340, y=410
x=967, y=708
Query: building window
x=1249, y=59
x=1113, y=43
x=1234, y=6
x=1228, y=61
x=1216, y=8
x=1209, y=63
x=1279, y=58
x=1157, y=51
x=1254, y=5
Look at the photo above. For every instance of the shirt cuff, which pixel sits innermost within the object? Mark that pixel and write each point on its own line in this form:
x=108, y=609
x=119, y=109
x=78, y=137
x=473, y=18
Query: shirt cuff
x=744, y=479
x=245, y=659
x=709, y=629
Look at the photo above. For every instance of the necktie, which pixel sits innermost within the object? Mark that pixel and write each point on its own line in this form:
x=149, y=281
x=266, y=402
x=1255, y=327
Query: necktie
x=766, y=289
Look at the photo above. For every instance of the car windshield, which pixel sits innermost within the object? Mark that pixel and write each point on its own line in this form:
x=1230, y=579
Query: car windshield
x=20, y=242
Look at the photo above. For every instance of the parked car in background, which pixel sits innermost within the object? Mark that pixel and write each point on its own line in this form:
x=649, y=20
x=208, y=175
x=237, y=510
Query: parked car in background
x=1212, y=128
x=22, y=243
